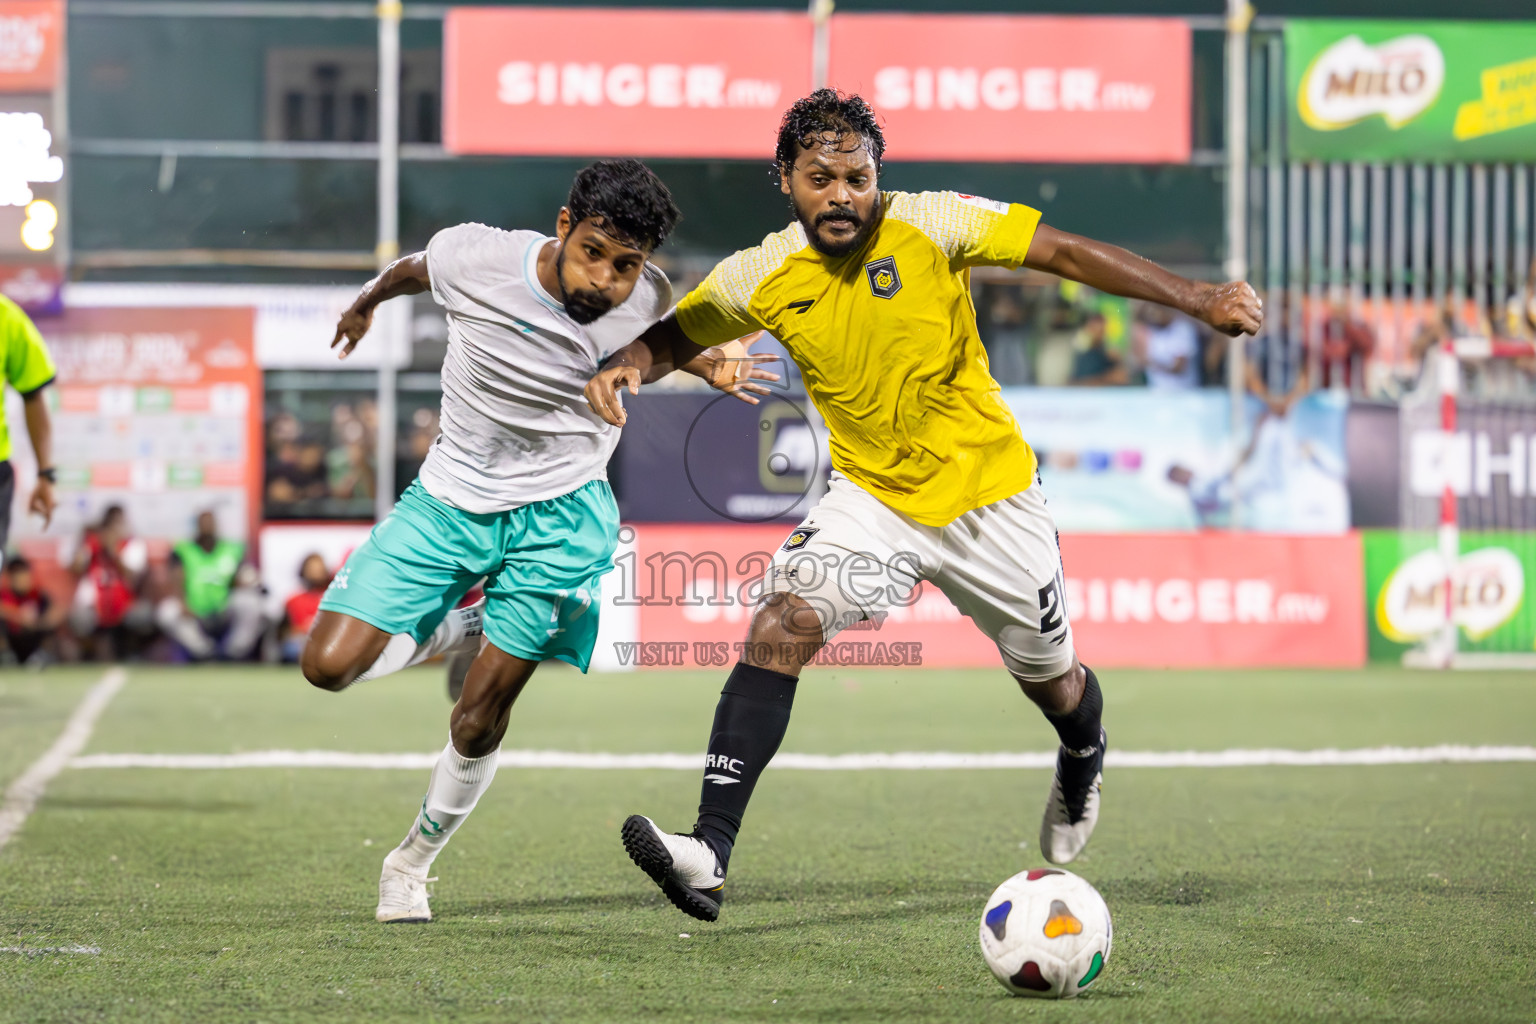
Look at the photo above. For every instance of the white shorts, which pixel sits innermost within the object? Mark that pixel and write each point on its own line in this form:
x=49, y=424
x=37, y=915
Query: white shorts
x=999, y=564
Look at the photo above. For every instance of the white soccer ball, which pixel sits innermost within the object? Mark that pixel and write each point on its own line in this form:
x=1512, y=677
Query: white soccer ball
x=1046, y=933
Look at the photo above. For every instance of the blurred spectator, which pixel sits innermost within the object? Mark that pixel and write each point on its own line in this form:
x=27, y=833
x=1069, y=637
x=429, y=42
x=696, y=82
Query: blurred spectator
x=424, y=430
x=1277, y=371
x=349, y=469
x=368, y=416
x=30, y=617
x=1006, y=338
x=299, y=611
x=1214, y=347
x=295, y=472
x=1172, y=346
x=1095, y=364
x=1346, y=343
x=109, y=568
x=215, y=603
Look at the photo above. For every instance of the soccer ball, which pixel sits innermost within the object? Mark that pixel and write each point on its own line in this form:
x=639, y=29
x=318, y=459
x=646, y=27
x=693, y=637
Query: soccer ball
x=1046, y=933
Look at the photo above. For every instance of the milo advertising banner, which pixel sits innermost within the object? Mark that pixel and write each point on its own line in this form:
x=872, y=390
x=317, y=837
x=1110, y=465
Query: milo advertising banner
x=1405, y=584
x=1411, y=90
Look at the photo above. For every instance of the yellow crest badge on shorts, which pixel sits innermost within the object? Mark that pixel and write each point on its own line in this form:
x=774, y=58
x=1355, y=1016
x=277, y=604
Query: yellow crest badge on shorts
x=884, y=279
x=799, y=539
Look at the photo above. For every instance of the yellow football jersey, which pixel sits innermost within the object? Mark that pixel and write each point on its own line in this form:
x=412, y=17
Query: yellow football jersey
x=886, y=341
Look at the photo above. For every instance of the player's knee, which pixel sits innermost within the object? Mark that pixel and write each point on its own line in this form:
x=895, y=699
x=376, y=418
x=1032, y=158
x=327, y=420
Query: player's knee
x=476, y=726
x=326, y=667
x=786, y=618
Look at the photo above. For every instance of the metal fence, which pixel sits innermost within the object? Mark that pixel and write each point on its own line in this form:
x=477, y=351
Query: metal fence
x=1408, y=252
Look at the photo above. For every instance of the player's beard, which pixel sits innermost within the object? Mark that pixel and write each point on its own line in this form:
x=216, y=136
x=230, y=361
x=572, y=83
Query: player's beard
x=862, y=229
x=583, y=307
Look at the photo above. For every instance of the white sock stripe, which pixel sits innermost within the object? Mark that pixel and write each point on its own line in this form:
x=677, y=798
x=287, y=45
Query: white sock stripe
x=906, y=761
x=21, y=796
x=470, y=770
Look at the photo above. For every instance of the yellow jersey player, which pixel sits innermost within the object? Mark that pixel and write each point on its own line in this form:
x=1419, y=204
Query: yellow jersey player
x=870, y=293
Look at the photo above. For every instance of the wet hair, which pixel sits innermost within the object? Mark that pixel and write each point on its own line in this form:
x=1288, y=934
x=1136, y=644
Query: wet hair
x=826, y=112
x=632, y=203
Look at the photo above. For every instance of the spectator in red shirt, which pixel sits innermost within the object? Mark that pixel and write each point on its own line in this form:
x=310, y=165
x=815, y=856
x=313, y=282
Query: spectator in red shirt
x=29, y=616
x=1346, y=345
x=300, y=610
x=109, y=567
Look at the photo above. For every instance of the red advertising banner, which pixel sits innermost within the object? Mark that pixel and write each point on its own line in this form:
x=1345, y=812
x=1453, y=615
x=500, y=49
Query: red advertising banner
x=1021, y=88
x=552, y=81
x=31, y=39
x=1167, y=600
x=1216, y=599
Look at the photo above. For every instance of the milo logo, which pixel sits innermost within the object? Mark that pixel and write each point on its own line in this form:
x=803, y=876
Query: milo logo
x=1351, y=80
x=1487, y=587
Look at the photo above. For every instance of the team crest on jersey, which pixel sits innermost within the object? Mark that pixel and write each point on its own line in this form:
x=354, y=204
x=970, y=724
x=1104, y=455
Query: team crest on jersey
x=884, y=280
x=799, y=539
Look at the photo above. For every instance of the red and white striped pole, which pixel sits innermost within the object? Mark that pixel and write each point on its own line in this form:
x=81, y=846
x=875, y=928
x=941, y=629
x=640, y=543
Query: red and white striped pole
x=1449, y=534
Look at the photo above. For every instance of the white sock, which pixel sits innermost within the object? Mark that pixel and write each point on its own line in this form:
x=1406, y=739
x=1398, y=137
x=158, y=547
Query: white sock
x=456, y=784
x=461, y=626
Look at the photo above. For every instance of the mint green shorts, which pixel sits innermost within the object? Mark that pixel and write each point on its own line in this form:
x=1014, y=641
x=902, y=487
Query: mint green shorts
x=542, y=565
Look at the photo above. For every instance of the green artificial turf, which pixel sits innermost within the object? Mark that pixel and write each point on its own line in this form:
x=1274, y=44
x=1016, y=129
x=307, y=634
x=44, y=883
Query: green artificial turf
x=1248, y=894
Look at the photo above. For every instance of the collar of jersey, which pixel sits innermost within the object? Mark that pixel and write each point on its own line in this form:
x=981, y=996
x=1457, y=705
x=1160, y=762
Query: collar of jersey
x=531, y=275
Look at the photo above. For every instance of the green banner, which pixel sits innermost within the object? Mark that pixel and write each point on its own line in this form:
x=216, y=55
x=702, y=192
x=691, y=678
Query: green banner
x=1411, y=90
x=1405, y=591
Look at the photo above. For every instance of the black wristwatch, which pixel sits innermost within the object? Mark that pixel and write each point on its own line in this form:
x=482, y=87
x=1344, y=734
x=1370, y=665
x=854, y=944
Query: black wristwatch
x=50, y=474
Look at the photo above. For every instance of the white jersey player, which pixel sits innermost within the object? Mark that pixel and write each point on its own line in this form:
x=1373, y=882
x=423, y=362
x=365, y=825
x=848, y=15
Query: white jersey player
x=514, y=490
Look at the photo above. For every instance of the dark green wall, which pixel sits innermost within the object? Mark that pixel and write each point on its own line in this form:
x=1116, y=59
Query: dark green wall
x=202, y=78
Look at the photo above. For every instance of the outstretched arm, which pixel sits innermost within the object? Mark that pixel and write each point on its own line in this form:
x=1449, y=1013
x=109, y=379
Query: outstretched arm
x=406, y=276
x=663, y=348
x=40, y=430
x=1231, y=308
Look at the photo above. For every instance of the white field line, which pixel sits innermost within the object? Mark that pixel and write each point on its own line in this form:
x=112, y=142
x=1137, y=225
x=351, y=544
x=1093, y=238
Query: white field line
x=22, y=795
x=1445, y=754
x=42, y=950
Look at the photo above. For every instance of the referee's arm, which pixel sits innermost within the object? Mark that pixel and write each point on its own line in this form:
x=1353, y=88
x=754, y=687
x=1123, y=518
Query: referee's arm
x=40, y=430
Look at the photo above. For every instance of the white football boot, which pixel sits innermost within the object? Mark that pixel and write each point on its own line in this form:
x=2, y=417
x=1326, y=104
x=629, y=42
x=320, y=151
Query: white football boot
x=685, y=866
x=402, y=894
x=1072, y=809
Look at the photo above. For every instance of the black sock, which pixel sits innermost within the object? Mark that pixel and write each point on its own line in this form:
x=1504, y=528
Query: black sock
x=1079, y=728
x=750, y=722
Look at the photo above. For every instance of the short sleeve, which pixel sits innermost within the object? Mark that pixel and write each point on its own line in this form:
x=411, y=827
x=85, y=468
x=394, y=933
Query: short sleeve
x=467, y=260
x=717, y=310
x=28, y=366
x=970, y=230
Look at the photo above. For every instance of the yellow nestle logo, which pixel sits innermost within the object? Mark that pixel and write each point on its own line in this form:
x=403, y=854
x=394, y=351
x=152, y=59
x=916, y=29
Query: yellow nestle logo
x=1508, y=101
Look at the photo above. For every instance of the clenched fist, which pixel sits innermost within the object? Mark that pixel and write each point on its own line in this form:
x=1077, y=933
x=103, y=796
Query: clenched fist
x=1233, y=308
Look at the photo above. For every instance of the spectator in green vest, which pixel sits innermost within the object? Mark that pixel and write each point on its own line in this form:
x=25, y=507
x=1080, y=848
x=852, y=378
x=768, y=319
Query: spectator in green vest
x=26, y=366
x=214, y=608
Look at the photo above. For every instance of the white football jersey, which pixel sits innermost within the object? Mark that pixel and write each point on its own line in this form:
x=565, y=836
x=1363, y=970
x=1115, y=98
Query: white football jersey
x=515, y=426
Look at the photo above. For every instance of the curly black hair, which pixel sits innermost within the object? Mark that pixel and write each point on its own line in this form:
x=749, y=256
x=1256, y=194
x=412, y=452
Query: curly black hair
x=632, y=202
x=826, y=112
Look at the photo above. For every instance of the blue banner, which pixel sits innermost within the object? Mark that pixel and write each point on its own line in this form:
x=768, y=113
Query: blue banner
x=1125, y=459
